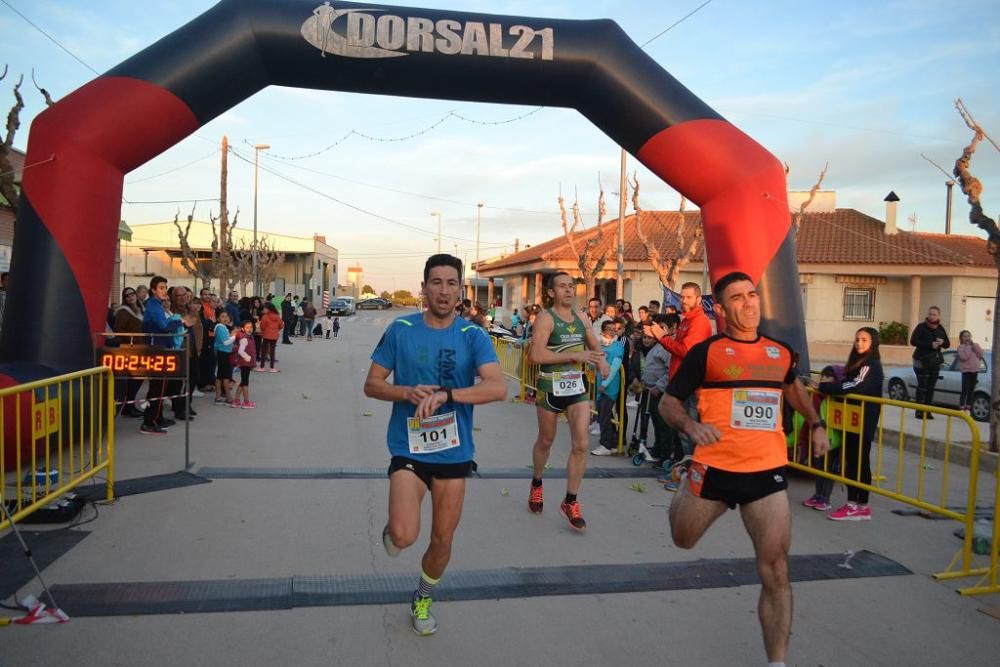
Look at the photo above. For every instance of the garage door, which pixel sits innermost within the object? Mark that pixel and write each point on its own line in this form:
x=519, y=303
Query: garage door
x=979, y=314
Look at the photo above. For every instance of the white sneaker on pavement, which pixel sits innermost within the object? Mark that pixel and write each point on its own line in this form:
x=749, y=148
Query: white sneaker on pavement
x=601, y=450
x=595, y=429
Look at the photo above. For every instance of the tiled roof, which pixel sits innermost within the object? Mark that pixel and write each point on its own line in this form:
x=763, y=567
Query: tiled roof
x=843, y=236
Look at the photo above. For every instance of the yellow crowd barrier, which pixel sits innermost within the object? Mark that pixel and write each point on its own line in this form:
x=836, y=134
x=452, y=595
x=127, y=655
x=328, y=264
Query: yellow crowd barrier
x=925, y=486
x=516, y=364
x=55, y=434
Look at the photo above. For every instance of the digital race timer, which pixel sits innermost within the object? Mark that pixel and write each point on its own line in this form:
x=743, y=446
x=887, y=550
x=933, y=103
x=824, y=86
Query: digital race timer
x=146, y=361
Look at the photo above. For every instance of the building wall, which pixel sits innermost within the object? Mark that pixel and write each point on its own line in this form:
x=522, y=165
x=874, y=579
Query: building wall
x=824, y=306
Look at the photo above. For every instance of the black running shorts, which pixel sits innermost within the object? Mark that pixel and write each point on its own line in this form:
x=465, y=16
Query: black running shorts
x=428, y=471
x=735, y=488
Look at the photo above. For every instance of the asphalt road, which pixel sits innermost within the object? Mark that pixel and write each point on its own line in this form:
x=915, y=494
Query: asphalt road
x=314, y=415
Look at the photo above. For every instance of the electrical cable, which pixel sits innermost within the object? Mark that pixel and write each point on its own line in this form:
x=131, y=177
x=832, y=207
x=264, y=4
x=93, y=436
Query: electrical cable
x=347, y=204
x=170, y=171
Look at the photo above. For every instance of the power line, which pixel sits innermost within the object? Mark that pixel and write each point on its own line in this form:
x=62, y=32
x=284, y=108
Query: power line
x=50, y=37
x=171, y=201
x=170, y=171
x=418, y=194
x=414, y=135
x=344, y=203
x=675, y=24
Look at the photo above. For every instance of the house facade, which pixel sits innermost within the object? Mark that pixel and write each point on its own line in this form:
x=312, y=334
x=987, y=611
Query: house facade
x=854, y=271
x=309, y=269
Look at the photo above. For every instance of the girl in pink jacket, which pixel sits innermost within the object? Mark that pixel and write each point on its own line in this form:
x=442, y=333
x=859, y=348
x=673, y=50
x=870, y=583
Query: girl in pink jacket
x=970, y=356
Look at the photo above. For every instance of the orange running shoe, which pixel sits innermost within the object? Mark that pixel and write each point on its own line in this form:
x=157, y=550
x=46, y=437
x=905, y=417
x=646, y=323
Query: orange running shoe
x=535, y=499
x=573, y=514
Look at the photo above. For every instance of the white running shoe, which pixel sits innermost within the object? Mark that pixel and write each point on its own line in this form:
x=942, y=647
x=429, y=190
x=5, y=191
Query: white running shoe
x=197, y=394
x=601, y=450
x=391, y=550
x=424, y=623
x=595, y=429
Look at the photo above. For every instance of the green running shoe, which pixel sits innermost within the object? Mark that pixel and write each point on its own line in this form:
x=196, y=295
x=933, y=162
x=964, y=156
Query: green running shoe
x=424, y=623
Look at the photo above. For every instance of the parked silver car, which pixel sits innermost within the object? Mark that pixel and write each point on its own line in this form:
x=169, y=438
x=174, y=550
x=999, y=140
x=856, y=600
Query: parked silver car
x=901, y=385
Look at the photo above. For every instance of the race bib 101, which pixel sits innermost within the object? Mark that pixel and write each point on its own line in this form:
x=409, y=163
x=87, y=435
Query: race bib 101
x=434, y=434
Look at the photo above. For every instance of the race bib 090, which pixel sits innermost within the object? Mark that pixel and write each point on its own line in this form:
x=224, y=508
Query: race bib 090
x=756, y=410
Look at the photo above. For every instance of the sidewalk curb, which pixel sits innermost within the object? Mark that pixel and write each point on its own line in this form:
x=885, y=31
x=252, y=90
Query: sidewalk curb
x=959, y=453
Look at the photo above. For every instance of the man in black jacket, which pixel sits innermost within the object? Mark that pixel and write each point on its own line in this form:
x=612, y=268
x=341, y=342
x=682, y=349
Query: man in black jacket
x=928, y=339
x=288, y=317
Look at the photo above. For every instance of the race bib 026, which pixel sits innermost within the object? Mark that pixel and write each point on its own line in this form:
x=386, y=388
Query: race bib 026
x=756, y=410
x=568, y=383
x=434, y=434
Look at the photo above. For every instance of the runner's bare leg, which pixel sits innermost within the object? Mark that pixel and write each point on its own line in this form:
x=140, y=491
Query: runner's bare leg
x=690, y=516
x=543, y=443
x=769, y=523
x=578, y=416
x=406, y=494
x=447, y=496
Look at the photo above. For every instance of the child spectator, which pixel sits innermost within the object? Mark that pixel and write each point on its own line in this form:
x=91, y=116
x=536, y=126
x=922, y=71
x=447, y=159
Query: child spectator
x=245, y=353
x=970, y=356
x=327, y=322
x=270, y=327
x=336, y=326
x=654, y=362
x=608, y=390
x=223, y=348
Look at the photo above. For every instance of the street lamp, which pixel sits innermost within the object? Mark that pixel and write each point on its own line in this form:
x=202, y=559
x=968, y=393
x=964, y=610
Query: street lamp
x=439, y=229
x=256, y=169
x=479, y=219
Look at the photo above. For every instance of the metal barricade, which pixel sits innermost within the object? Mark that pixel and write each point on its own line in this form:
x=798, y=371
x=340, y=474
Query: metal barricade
x=516, y=363
x=892, y=477
x=55, y=434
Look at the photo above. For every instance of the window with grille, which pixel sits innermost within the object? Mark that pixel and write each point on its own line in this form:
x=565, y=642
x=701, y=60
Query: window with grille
x=859, y=303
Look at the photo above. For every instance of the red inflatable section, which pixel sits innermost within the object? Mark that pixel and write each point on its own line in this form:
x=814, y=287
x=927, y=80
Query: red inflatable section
x=95, y=136
x=12, y=439
x=739, y=186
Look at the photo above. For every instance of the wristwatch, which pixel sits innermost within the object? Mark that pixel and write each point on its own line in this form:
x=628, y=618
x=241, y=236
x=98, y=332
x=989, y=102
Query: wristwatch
x=820, y=424
x=447, y=391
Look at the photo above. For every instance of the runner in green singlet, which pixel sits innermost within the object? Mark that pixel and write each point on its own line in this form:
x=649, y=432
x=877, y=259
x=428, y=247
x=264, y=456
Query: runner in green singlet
x=561, y=343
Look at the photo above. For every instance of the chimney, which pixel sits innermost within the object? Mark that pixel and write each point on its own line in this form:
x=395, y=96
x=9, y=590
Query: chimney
x=890, y=213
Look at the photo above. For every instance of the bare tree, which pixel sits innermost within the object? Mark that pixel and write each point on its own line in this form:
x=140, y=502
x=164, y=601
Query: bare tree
x=797, y=219
x=269, y=261
x=667, y=269
x=199, y=270
x=972, y=187
x=8, y=175
x=221, y=259
x=589, y=263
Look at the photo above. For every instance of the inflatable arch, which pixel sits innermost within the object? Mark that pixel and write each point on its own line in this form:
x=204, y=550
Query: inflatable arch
x=70, y=206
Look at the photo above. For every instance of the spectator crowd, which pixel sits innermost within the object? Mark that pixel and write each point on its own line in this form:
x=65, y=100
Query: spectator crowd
x=226, y=341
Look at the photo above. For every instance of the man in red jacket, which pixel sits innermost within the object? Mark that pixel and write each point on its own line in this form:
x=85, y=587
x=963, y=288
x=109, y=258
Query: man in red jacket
x=694, y=328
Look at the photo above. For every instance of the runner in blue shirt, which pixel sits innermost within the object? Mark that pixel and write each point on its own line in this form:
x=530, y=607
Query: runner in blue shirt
x=434, y=358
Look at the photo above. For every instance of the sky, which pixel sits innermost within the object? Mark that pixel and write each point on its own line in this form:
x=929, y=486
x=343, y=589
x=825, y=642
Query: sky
x=865, y=87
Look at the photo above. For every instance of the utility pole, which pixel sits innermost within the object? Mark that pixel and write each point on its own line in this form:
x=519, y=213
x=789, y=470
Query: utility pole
x=479, y=220
x=620, y=282
x=223, y=218
x=947, y=213
x=256, y=169
x=438, y=215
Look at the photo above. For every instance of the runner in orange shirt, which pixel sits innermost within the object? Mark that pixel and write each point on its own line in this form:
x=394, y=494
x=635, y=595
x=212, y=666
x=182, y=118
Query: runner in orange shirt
x=740, y=379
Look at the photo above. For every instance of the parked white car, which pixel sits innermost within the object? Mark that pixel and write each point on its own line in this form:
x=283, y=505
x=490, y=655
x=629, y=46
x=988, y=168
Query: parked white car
x=901, y=385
